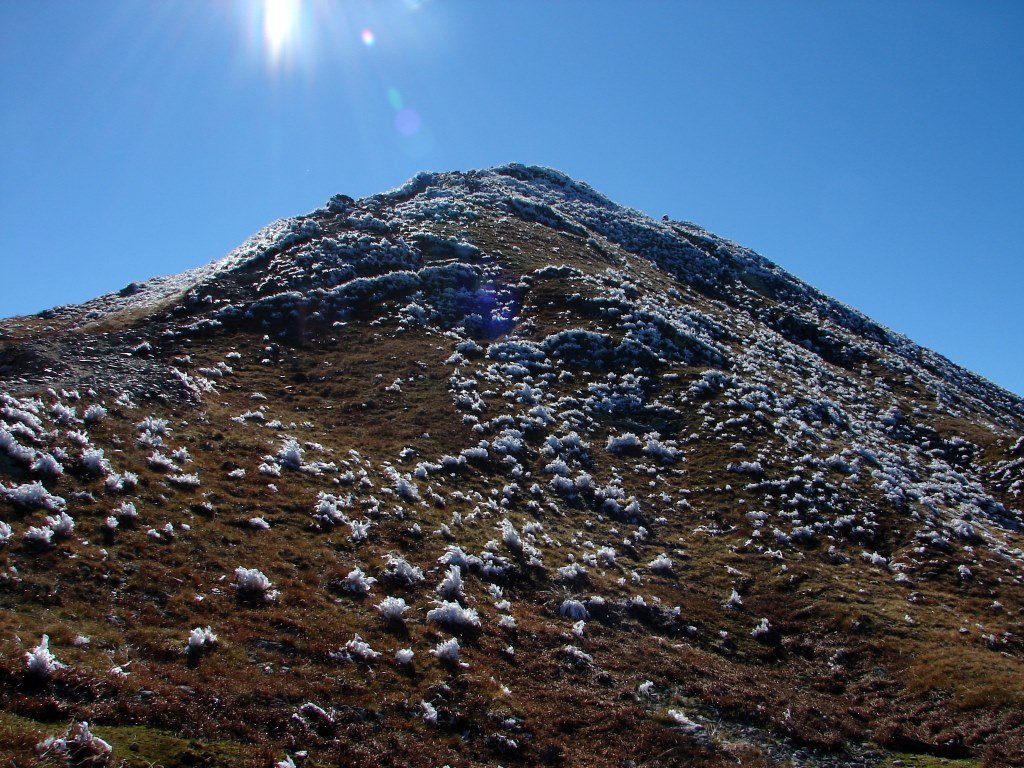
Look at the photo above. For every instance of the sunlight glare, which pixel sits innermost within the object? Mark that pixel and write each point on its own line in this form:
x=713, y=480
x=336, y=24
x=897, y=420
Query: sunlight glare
x=280, y=25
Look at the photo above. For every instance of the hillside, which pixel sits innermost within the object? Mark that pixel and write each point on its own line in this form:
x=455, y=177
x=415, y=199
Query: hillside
x=490, y=470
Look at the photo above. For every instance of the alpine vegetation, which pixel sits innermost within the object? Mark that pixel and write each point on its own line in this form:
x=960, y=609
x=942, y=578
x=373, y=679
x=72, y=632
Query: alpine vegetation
x=40, y=663
x=252, y=584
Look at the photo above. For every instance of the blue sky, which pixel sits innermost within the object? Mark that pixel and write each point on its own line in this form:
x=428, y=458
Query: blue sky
x=874, y=149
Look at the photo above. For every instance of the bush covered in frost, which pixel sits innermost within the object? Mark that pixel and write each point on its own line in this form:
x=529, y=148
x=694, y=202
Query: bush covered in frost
x=200, y=640
x=452, y=614
x=79, y=747
x=401, y=571
x=357, y=582
x=661, y=564
x=447, y=651
x=451, y=587
x=252, y=584
x=573, y=609
x=40, y=663
x=392, y=609
x=33, y=496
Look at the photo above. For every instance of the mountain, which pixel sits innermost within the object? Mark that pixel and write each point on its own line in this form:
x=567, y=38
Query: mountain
x=489, y=469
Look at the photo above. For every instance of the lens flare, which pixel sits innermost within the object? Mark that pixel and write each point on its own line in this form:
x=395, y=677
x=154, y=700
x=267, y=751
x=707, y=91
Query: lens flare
x=408, y=121
x=395, y=99
x=280, y=25
x=367, y=37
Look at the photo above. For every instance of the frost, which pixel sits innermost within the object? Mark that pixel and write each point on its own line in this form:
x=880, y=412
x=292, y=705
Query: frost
x=251, y=583
x=573, y=609
x=78, y=746
x=200, y=640
x=447, y=651
x=33, y=496
x=624, y=443
x=62, y=525
x=762, y=631
x=400, y=570
x=454, y=615
x=661, y=564
x=577, y=655
x=357, y=582
x=46, y=465
x=94, y=414
x=40, y=662
x=451, y=587
x=392, y=609
x=358, y=649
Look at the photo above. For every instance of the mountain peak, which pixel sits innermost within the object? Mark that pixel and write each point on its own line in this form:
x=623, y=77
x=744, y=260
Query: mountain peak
x=490, y=468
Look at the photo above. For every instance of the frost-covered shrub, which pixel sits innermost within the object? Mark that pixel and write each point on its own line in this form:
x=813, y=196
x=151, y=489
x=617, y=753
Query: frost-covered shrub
x=33, y=496
x=572, y=572
x=290, y=454
x=573, y=609
x=577, y=655
x=46, y=465
x=661, y=564
x=400, y=570
x=392, y=609
x=763, y=631
x=746, y=468
x=10, y=445
x=64, y=415
x=119, y=483
x=258, y=523
x=160, y=462
x=40, y=663
x=185, y=481
x=127, y=513
x=447, y=651
x=252, y=584
x=61, y=524
x=358, y=649
x=456, y=555
x=328, y=512
x=79, y=747
x=404, y=656
x=624, y=443
x=94, y=462
x=451, y=587
x=659, y=450
x=452, y=614
x=153, y=426
x=357, y=582
x=510, y=536
x=735, y=602
x=39, y=537
x=200, y=640
x=94, y=414
x=684, y=723
x=360, y=530
x=6, y=532
x=606, y=555
x=406, y=489
x=429, y=710
x=507, y=622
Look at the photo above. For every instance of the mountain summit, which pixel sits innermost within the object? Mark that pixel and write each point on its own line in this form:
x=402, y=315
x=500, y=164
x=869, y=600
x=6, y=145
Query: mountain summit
x=489, y=469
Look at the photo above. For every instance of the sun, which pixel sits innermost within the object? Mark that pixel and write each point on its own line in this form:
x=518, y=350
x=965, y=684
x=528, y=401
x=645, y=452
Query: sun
x=280, y=25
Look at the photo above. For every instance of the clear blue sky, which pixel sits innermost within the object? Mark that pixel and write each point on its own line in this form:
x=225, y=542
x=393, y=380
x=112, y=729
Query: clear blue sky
x=875, y=149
